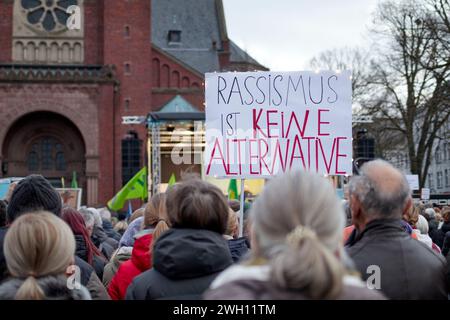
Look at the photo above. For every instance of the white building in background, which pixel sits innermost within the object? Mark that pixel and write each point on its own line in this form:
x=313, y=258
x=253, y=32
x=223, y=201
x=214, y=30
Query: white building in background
x=438, y=179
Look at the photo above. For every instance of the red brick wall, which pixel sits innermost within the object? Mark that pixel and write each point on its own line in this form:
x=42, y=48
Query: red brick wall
x=170, y=78
x=118, y=49
x=6, y=14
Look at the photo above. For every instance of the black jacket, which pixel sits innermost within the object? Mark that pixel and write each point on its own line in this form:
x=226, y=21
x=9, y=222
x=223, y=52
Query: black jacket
x=238, y=248
x=437, y=235
x=98, y=263
x=106, y=244
x=185, y=262
x=3, y=268
x=54, y=288
x=408, y=268
x=109, y=230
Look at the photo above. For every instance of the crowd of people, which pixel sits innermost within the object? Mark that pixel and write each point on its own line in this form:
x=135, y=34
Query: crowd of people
x=300, y=242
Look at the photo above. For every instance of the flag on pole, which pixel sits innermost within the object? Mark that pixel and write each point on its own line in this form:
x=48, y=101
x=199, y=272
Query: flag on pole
x=172, y=180
x=74, y=180
x=232, y=190
x=136, y=188
x=130, y=209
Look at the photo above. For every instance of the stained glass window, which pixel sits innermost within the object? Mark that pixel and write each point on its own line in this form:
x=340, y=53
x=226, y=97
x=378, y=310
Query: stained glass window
x=47, y=13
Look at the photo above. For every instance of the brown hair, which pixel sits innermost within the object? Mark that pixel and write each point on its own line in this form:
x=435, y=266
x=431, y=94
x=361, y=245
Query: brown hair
x=155, y=216
x=197, y=204
x=137, y=214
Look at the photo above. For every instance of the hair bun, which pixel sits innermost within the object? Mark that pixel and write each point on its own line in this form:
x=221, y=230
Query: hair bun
x=298, y=234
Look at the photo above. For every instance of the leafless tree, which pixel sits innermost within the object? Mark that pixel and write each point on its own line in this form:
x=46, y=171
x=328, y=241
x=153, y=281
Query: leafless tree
x=409, y=84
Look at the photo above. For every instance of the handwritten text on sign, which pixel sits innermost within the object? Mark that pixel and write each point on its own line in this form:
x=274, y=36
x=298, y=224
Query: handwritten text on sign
x=264, y=123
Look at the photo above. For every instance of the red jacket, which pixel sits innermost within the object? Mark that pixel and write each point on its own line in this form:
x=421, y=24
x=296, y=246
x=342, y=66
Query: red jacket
x=140, y=261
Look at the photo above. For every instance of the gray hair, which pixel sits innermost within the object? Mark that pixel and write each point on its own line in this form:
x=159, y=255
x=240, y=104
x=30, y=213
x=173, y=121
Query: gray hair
x=105, y=214
x=98, y=222
x=422, y=225
x=298, y=222
x=375, y=201
x=87, y=216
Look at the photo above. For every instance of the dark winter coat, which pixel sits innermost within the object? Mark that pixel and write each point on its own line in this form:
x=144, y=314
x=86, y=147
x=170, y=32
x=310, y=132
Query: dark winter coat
x=3, y=268
x=409, y=269
x=106, y=244
x=238, y=248
x=81, y=251
x=55, y=288
x=109, y=230
x=185, y=262
x=437, y=235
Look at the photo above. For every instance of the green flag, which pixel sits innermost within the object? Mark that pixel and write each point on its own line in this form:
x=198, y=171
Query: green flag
x=74, y=180
x=136, y=188
x=232, y=190
x=172, y=180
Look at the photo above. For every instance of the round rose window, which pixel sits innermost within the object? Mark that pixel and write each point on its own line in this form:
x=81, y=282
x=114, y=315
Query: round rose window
x=47, y=15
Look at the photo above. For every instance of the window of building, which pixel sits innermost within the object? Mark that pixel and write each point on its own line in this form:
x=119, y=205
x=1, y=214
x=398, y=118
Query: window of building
x=438, y=155
x=430, y=180
x=447, y=178
x=131, y=156
x=174, y=37
x=127, y=104
x=127, y=68
x=127, y=31
x=439, y=179
x=46, y=154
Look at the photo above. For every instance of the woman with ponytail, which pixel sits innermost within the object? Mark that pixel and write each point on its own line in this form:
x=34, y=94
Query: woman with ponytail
x=153, y=225
x=39, y=249
x=297, y=250
x=85, y=248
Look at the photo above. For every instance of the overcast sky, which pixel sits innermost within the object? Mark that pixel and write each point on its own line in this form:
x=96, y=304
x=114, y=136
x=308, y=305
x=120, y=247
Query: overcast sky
x=285, y=35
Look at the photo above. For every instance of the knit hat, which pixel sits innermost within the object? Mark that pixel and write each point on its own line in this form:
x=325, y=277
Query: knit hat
x=31, y=194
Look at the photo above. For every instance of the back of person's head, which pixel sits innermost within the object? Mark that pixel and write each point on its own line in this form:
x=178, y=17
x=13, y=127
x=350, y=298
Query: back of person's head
x=121, y=226
x=136, y=214
x=78, y=226
x=197, y=204
x=34, y=193
x=3, y=219
x=300, y=233
x=422, y=225
x=381, y=189
x=235, y=205
x=155, y=216
x=38, y=245
x=88, y=217
x=429, y=212
x=446, y=214
x=232, y=225
x=98, y=223
x=105, y=214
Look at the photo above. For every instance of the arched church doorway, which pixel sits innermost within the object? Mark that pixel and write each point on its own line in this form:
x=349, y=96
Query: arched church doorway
x=45, y=143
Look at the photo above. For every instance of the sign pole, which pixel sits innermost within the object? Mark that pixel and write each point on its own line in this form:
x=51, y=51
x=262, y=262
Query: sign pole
x=241, y=211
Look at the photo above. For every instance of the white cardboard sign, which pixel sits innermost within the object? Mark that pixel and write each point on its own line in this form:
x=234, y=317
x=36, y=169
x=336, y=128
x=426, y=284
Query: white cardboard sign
x=259, y=124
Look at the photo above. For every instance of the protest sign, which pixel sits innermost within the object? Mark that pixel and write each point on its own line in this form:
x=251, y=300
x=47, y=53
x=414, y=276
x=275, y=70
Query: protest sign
x=413, y=181
x=259, y=124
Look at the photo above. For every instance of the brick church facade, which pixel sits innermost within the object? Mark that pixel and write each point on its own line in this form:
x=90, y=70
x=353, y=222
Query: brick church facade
x=63, y=92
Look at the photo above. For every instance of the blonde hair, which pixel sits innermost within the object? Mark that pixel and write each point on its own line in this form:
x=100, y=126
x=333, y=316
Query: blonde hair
x=297, y=225
x=121, y=226
x=155, y=216
x=38, y=245
x=232, y=223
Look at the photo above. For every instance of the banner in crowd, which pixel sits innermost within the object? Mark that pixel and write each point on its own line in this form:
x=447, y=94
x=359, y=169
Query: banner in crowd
x=136, y=188
x=259, y=124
